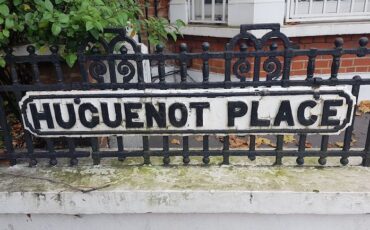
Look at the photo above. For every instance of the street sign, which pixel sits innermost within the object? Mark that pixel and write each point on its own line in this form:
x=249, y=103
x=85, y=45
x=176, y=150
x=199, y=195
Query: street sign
x=275, y=110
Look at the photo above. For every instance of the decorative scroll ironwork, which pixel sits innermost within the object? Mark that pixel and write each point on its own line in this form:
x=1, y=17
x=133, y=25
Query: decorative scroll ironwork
x=98, y=69
x=272, y=66
x=275, y=62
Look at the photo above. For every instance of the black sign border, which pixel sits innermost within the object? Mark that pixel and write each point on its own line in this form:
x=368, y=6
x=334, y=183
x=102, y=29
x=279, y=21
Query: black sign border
x=341, y=93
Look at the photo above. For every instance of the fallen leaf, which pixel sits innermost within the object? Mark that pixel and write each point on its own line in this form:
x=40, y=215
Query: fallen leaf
x=237, y=142
x=364, y=106
x=199, y=138
x=175, y=141
x=330, y=145
x=264, y=141
x=289, y=139
x=308, y=145
x=339, y=144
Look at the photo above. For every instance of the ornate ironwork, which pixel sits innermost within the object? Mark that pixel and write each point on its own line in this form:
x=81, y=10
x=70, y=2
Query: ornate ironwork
x=123, y=55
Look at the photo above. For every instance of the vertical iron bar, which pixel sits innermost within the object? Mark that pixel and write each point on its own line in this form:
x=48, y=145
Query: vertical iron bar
x=287, y=62
x=311, y=63
x=256, y=68
x=18, y=95
x=206, y=149
x=166, y=149
x=56, y=61
x=225, y=152
x=324, y=149
x=112, y=71
x=227, y=57
x=366, y=157
x=279, y=148
x=95, y=150
x=72, y=149
x=121, y=148
x=185, y=146
x=252, y=147
x=348, y=134
x=8, y=140
x=183, y=62
x=146, y=150
x=50, y=146
x=336, y=58
x=205, y=68
x=161, y=67
x=301, y=149
x=139, y=66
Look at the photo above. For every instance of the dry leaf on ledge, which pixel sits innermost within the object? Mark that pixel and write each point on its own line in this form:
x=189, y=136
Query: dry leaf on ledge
x=237, y=142
x=339, y=144
x=199, y=138
x=289, y=139
x=175, y=141
x=364, y=106
x=308, y=145
x=264, y=141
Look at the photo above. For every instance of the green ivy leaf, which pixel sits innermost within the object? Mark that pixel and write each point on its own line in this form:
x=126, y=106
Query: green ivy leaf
x=55, y=29
x=99, y=2
x=6, y=33
x=89, y=25
x=122, y=19
x=71, y=59
x=49, y=6
x=17, y=2
x=4, y=10
x=63, y=18
x=9, y=23
x=2, y=62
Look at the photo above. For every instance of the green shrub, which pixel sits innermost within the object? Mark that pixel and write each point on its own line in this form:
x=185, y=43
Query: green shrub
x=65, y=22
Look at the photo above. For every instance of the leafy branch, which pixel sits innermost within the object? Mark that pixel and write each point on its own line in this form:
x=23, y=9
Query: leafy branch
x=65, y=22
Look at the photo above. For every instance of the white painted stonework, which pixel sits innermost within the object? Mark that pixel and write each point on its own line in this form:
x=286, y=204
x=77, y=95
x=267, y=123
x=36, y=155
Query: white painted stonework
x=133, y=197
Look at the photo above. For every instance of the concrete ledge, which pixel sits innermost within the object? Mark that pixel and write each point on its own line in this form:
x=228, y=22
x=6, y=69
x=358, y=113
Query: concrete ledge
x=116, y=188
x=186, y=201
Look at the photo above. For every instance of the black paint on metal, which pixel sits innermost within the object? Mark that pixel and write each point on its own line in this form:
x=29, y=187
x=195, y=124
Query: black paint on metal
x=254, y=54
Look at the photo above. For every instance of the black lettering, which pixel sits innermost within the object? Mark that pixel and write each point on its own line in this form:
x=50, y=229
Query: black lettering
x=105, y=113
x=71, y=116
x=330, y=112
x=255, y=121
x=284, y=114
x=184, y=114
x=235, y=109
x=199, y=108
x=38, y=116
x=153, y=114
x=130, y=115
x=82, y=114
x=301, y=111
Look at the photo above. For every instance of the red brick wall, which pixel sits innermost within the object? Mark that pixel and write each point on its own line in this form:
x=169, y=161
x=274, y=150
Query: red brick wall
x=349, y=63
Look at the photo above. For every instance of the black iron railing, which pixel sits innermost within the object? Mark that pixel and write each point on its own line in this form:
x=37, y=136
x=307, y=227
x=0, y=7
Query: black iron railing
x=244, y=55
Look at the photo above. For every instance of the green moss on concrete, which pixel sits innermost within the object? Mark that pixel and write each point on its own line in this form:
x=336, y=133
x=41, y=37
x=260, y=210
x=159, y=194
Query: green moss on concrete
x=131, y=174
